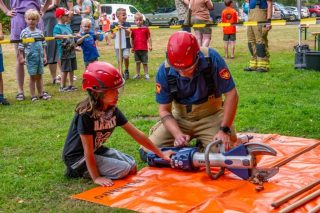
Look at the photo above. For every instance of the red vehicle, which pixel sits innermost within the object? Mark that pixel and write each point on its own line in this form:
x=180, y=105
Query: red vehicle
x=314, y=10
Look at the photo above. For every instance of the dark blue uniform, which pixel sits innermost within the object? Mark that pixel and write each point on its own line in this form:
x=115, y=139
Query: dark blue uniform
x=194, y=91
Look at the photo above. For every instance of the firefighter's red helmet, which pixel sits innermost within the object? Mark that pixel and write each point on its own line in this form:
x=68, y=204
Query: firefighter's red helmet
x=101, y=76
x=182, y=50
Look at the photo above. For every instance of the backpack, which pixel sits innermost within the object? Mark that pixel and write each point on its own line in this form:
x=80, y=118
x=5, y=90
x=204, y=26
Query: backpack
x=95, y=10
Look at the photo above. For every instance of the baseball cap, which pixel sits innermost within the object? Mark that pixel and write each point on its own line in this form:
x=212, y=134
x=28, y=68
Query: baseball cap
x=60, y=11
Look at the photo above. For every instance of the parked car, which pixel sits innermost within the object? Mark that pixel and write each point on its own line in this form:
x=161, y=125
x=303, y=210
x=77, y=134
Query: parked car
x=215, y=14
x=305, y=12
x=280, y=12
x=294, y=12
x=110, y=10
x=314, y=10
x=162, y=16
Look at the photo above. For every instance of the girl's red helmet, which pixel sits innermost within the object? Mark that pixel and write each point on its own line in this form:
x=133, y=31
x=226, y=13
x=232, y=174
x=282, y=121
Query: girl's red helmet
x=182, y=50
x=101, y=76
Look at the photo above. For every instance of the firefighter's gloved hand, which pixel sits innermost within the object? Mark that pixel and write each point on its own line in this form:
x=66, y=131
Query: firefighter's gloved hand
x=181, y=140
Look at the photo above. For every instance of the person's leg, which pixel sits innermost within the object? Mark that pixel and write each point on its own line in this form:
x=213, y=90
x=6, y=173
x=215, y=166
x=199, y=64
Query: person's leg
x=144, y=60
x=146, y=72
x=115, y=165
x=198, y=36
x=39, y=84
x=19, y=72
x=53, y=72
x=32, y=85
x=63, y=79
x=138, y=65
x=226, y=49
x=160, y=136
x=126, y=63
x=232, y=46
x=206, y=38
x=71, y=73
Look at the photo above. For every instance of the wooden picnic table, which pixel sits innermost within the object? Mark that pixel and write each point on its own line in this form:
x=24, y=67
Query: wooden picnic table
x=316, y=40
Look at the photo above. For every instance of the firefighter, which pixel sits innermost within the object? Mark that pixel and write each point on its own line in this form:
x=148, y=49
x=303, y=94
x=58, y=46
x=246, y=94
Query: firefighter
x=259, y=10
x=190, y=86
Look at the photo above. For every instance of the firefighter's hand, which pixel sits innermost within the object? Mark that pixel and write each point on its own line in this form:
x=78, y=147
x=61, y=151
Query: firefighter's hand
x=181, y=140
x=268, y=27
x=225, y=138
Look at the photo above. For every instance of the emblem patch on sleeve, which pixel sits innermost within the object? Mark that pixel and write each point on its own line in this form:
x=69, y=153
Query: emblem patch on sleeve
x=225, y=74
x=158, y=88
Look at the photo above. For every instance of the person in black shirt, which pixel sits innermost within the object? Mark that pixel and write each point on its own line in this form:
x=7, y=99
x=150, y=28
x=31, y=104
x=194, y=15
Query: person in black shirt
x=93, y=123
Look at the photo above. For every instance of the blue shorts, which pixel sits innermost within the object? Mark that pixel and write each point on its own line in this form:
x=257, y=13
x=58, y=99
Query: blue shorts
x=34, y=65
x=1, y=63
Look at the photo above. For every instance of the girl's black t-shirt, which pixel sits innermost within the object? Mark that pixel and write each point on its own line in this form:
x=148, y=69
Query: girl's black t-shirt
x=101, y=129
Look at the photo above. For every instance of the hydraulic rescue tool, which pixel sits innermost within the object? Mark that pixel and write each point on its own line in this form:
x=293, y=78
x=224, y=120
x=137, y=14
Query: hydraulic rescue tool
x=240, y=160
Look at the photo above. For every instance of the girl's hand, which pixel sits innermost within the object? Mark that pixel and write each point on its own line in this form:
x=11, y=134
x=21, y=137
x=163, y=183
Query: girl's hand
x=44, y=60
x=102, y=181
x=167, y=154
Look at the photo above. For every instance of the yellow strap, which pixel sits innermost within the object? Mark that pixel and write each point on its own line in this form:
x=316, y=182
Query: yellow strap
x=278, y=22
x=250, y=23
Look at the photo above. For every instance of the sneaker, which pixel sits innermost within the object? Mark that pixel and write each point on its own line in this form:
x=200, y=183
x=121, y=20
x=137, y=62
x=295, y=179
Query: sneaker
x=45, y=96
x=58, y=79
x=20, y=97
x=72, y=88
x=126, y=74
x=146, y=76
x=34, y=98
x=63, y=89
x=4, y=101
x=136, y=76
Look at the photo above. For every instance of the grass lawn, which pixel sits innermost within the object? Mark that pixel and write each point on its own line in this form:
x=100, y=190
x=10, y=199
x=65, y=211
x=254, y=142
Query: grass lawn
x=284, y=101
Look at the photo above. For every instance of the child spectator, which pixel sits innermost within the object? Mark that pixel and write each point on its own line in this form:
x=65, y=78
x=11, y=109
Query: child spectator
x=141, y=39
x=88, y=42
x=34, y=55
x=3, y=100
x=95, y=119
x=66, y=49
x=105, y=24
x=125, y=39
x=229, y=15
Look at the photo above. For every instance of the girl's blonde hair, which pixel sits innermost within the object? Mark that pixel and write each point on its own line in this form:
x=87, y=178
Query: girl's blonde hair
x=85, y=21
x=138, y=16
x=32, y=13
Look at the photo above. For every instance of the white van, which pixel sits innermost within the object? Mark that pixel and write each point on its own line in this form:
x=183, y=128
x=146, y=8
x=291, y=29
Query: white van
x=110, y=10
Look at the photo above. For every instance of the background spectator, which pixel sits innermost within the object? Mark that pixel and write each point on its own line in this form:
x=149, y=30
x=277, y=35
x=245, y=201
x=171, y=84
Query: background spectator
x=200, y=15
x=18, y=23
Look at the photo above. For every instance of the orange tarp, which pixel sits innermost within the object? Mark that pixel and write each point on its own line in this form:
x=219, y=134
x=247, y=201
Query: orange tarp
x=167, y=190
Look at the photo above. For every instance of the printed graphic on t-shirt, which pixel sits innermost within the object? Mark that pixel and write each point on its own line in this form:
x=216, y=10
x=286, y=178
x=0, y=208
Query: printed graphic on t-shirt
x=101, y=138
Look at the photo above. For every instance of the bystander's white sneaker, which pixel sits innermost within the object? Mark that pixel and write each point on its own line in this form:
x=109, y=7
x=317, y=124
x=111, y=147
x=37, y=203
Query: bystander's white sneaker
x=146, y=76
x=136, y=76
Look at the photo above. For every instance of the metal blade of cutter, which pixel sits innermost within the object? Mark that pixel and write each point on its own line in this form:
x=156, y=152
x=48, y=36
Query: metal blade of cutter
x=255, y=148
x=252, y=149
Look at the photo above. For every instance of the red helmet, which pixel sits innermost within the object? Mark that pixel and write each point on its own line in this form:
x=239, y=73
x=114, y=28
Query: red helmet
x=101, y=76
x=182, y=50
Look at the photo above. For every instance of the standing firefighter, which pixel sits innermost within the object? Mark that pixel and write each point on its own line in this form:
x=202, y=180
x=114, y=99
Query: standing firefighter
x=260, y=10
